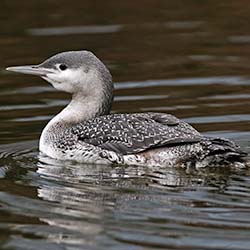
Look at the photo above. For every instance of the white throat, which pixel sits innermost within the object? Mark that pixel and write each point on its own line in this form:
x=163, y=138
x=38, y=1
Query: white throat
x=87, y=91
x=81, y=108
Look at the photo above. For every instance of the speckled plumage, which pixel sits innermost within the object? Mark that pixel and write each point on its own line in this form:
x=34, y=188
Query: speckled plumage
x=85, y=131
x=142, y=139
x=134, y=133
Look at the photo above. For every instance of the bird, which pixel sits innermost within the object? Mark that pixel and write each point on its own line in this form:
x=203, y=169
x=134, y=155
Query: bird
x=85, y=131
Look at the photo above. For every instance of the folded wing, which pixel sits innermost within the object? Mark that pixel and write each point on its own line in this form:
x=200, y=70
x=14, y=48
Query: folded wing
x=134, y=133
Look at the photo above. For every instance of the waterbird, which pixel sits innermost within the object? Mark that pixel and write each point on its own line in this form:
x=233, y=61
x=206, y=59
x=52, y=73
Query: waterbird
x=85, y=131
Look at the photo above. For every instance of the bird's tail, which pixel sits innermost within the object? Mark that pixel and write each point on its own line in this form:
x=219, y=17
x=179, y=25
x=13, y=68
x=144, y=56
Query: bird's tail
x=217, y=151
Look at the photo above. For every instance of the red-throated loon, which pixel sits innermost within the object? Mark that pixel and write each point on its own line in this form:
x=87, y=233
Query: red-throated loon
x=84, y=131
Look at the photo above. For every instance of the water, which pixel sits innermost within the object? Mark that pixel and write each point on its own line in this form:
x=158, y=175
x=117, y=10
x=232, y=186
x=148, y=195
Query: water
x=186, y=57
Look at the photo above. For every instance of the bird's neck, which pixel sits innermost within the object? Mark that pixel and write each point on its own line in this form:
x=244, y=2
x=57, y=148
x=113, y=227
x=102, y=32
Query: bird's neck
x=81, y=108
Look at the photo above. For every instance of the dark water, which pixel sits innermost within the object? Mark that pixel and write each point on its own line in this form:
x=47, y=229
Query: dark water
x=189, y=58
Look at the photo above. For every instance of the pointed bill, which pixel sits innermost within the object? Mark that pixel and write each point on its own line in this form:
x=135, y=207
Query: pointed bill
x=30, y=69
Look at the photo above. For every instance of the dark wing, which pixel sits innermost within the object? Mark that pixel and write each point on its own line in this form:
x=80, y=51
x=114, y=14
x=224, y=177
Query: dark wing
x=134, y=133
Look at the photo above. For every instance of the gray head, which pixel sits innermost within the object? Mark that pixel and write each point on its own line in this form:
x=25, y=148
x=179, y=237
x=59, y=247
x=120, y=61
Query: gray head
x=75, y=72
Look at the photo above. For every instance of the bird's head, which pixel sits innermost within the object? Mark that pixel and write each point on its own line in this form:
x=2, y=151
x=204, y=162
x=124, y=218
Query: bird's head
x=72, y=72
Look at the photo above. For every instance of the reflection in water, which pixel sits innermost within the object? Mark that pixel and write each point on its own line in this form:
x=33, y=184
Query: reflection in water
x=137, y=176
x=92, y=199
x=102, y=206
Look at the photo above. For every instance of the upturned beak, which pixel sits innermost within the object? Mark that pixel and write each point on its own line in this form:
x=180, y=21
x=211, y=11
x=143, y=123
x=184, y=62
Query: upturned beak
x=31, y=70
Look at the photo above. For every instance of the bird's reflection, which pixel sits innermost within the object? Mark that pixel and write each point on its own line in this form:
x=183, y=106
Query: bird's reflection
x=84, y=204
x=127, y=176
x=90, y=197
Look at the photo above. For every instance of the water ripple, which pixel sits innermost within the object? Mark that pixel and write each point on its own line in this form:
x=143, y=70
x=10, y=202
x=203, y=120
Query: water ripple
x=72, y=30
x=222, y=118
x=225, y=80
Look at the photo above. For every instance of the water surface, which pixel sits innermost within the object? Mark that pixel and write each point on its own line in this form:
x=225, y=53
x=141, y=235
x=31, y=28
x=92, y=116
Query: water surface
x=186, y=57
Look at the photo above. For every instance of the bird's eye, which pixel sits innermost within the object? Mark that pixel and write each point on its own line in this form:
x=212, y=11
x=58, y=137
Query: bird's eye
x=62, y=67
